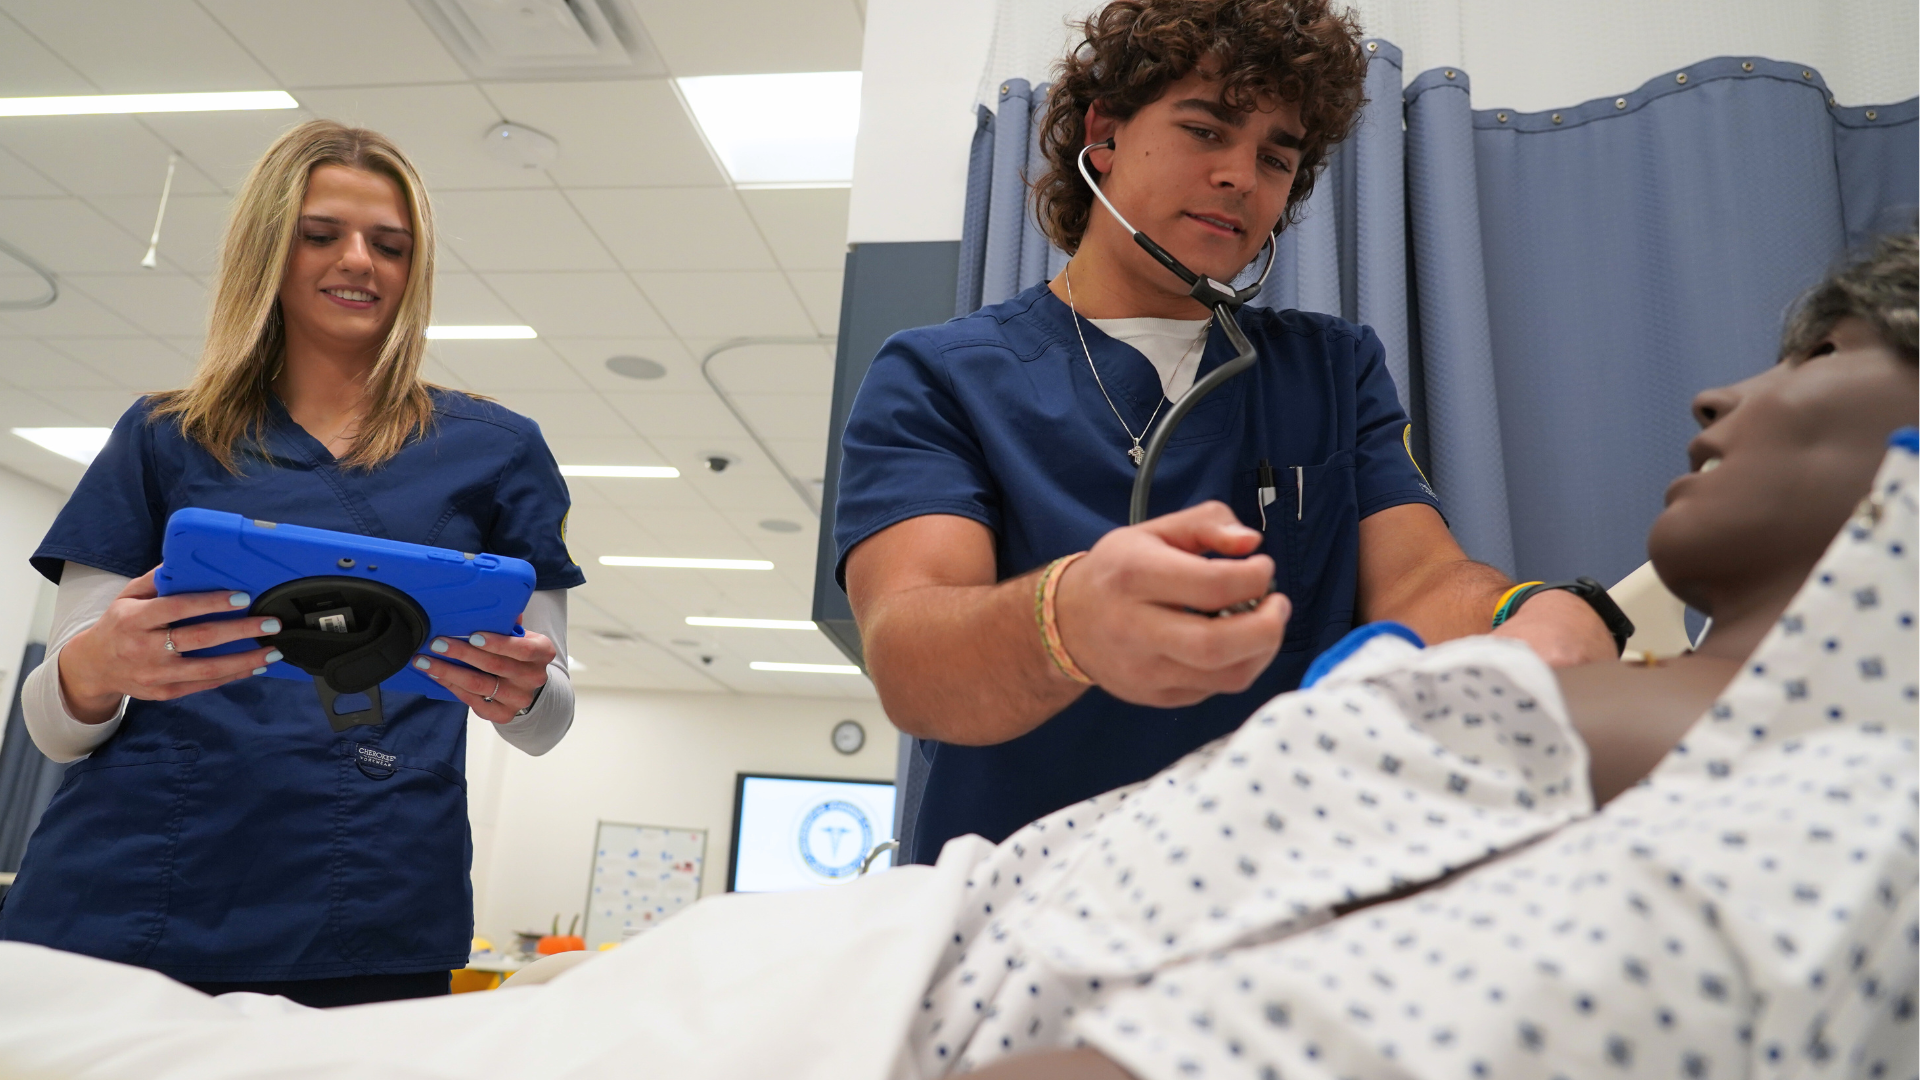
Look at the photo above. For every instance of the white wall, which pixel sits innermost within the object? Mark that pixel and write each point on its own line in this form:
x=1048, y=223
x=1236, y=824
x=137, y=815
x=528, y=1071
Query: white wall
x=27, y=509
x=643, y=757
x=928, y=61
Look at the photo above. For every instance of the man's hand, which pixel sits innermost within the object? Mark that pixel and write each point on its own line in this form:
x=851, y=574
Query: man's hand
x=1562, y=628
x=1130, y=611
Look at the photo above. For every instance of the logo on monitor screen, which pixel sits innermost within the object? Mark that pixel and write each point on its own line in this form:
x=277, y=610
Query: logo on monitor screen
x=835, y=837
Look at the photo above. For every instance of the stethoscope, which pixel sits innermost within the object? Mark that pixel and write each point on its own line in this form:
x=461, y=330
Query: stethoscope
x=1222, y=298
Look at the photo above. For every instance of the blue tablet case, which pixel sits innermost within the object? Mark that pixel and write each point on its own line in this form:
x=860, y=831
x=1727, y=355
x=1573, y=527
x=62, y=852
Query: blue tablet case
x=459, y=593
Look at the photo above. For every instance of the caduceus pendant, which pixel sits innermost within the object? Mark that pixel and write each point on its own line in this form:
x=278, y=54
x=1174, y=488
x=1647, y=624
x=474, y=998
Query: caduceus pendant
x=1138, y=455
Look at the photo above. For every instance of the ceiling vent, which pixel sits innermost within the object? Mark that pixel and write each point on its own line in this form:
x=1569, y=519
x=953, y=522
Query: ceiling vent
x=543, y=39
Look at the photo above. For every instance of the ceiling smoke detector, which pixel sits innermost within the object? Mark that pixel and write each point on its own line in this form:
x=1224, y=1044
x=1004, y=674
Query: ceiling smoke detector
x=517, y=144
x=543, y=39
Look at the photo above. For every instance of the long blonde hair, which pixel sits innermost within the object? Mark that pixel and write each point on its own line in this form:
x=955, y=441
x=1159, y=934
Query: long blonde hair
x=226, y=401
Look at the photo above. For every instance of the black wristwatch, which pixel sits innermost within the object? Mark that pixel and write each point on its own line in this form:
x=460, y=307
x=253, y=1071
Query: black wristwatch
x=1594, y=593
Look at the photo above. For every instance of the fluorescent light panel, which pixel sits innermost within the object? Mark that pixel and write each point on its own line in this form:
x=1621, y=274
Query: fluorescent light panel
x=479, y=333
x=641, y=472
x=82, y=444
x=779, y=130
x=808, y=669
x=686, y=564
x=103, y=104
x=752, y=624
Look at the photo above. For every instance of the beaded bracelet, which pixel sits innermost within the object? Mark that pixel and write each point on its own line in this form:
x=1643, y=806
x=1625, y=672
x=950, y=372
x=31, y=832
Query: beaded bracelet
x=1043, y=614
x=1503, y=608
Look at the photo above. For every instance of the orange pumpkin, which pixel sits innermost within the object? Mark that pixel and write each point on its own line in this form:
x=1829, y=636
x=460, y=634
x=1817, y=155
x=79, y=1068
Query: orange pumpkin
x=558, y=942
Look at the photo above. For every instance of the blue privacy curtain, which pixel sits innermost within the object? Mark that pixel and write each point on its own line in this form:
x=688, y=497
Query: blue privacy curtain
x=1552, y=288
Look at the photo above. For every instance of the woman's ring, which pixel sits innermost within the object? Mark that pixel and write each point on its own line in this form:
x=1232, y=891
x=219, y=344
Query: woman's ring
x=170, y=647
x=490, y=693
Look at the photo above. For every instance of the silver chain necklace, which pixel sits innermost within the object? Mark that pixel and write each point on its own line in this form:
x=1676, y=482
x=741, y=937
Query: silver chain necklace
x=1135, y=454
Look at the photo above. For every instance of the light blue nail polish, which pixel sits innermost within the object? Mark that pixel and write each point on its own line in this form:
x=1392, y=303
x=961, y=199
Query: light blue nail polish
x=440, y=644
x=271, y=626
x=239, y=599
x=422, y=663
x=259, y=671
x=275, y=656
x=478, y=641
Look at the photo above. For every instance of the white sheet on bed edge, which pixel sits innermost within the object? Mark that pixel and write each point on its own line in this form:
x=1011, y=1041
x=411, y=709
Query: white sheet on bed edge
x=810, y=984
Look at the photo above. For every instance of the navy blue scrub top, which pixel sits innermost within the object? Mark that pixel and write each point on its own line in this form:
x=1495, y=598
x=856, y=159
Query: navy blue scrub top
x=230, y=835
x=995, y=417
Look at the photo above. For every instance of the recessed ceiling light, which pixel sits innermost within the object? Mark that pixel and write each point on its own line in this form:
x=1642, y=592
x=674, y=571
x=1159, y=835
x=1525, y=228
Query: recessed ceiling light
x=636, y=367
x=686, y=564
x=780, y=525
x=645, y=472
x=479, y=333
x=779, y=130
x=103, y=104
x=82, y=444
x=753, y=624
x=809, y=669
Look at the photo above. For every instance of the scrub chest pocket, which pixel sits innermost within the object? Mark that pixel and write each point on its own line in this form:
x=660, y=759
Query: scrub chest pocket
x=1311, y=525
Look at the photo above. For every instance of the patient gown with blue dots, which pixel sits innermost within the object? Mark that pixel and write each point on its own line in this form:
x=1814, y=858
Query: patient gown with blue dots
x=1747, y=911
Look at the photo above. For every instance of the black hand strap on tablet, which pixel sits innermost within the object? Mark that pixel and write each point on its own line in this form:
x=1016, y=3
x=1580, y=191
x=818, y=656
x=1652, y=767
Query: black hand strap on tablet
x=350, y=634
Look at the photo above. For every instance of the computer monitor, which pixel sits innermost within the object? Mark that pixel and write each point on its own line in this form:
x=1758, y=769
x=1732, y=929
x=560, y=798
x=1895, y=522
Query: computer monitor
x=805, y=832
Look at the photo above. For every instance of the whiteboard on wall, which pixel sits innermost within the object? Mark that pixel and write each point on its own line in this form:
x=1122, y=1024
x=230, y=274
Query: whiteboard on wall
x=642, y=875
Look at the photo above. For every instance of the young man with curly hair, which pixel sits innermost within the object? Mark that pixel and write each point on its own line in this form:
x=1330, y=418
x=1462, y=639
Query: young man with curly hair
x=1043, y=651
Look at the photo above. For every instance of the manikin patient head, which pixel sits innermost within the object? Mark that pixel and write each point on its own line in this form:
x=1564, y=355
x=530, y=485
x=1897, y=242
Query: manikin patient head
x=1783, y=458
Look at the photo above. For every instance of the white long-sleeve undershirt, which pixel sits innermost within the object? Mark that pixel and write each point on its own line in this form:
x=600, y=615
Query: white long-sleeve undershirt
x=85, y=593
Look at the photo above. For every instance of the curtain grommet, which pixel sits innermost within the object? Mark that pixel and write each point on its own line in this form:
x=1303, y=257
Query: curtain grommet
x=1681, y=78
x=1747, y=66
x=1619, y=103
x=1502, y=117
x=1806, y=74
x=1871, y=115
x=1005, y=89
x=1373, y=46
x=1556, y=118
x=1450, y=74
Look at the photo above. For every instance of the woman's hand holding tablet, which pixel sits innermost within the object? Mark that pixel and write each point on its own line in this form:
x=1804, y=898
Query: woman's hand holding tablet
x=504, y=676
x=135, y=651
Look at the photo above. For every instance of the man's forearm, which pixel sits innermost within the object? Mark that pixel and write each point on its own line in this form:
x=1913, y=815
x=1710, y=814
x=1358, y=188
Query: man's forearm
x=1443, y=601
x=964, y=664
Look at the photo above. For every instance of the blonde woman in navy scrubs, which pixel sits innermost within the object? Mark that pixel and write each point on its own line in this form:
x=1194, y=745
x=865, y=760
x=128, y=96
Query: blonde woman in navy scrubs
x=215, y=828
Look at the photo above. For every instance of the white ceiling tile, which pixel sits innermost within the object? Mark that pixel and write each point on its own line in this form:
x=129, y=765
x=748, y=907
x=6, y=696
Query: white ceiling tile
x=73, y=315
x=224, y=145
x=787, y=416
x=774, y=369
x=401, y=50
x=493, y=367
x=572, y=305
x=461, y=299
x=820, y=291
x=101, y=155
x=612, y=134
x=579, y=412
x=190, y=235
x=758, y=36
x=675, y=228
x=39, y=465
x=584, y=450
x=30, y=69
x=589, y=358
x=19, y=180
x=696, y=534
x=441, y=129
x=155, y=302
x=748, y=524
x=807, y=228
x=30, y=408
x=32, y=365
x=726, y=303
x=152, y=47
x=677, y=416
x=518, y=230
x=433, y=371
x=644, y=497
x=804, y=458
x=68, y=237
x=132, y=363
x=95, y=407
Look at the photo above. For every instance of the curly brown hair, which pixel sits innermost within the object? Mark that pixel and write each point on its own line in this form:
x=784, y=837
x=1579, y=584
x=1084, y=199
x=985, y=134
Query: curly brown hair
x=1881, y=289
x=1302, y=51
